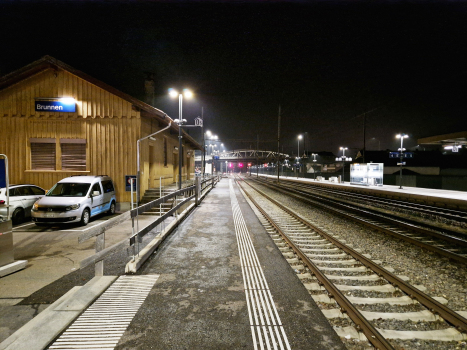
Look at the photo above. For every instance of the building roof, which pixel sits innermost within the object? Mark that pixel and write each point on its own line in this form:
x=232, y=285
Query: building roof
x=49, y=62
x=459, y=138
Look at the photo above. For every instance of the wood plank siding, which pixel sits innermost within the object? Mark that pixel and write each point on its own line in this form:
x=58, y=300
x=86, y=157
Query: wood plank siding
x=109, y=124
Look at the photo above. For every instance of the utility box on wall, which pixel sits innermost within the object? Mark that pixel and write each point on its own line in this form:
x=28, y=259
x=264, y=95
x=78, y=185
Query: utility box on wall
x=370, y=174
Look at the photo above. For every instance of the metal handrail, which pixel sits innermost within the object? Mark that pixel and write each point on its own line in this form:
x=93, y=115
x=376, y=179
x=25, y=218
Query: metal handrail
x=99, y=232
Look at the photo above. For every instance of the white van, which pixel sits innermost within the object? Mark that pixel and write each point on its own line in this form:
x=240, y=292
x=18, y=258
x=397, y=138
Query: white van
x=75, y=199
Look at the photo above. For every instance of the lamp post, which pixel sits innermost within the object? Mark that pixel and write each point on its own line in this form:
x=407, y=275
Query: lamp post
x=299, y=137
x=314, y=160
x=188, y=94
x=401, y=155
x=343, y=159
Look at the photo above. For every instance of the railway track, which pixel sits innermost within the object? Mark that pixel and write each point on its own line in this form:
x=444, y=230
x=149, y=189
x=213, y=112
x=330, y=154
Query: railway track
x=332, y=270
x=429, y=238
x=424, y=209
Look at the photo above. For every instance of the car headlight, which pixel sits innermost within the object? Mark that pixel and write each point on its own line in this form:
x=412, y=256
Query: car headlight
x=72, y=207
x=35, y=207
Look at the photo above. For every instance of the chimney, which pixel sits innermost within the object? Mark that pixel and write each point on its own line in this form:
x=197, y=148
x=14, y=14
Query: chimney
x=149, y=88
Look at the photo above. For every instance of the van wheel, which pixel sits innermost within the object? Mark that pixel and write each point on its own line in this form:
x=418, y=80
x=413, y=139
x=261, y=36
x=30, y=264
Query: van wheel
x=112, y=208
x=18, y=216
x=85, y=217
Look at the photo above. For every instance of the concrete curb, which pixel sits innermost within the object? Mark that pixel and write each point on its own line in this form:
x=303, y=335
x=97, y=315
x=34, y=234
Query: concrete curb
x=45, y=327
x=13, y=267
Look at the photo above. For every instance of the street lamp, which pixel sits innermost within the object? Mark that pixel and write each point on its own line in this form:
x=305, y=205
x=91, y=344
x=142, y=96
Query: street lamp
x=343, y=159
x=188, y=94
x=299, y=137
x=401, y=155
x=314, y=160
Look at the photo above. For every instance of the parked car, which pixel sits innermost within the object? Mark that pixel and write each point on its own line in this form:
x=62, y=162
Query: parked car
x=22, y=198
x=75, y=199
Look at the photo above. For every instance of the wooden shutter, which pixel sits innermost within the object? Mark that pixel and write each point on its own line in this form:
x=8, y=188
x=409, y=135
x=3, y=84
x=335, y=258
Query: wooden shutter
x=42, y=153
x=73, y=154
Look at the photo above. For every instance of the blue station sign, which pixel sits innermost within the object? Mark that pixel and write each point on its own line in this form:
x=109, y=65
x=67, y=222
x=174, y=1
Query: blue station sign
x=128, y=182
x=58, y=105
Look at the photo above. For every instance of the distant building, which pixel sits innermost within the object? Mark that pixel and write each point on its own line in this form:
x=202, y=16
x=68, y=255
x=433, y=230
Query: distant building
x=56, y=121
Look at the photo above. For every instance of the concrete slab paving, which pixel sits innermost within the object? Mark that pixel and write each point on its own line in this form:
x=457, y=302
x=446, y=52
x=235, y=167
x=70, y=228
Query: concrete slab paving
x=53, y=256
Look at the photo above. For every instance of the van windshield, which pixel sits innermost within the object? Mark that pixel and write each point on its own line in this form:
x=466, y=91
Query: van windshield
x=66, y=189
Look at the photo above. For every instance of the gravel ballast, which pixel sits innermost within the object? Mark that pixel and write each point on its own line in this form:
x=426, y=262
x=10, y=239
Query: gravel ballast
x=440, y=276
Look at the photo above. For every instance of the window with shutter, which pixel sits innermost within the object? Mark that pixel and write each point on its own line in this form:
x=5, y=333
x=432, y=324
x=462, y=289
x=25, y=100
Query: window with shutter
x=42, y=153
x=73, y=154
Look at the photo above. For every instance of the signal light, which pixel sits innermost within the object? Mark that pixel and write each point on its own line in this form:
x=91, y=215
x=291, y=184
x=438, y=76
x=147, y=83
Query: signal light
x=249, y=164
x=240, y=165
x=230, y=165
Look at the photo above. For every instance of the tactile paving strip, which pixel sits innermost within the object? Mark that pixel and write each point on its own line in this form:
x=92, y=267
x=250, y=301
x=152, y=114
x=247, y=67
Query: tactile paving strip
x=265, y=323
x=104, y=322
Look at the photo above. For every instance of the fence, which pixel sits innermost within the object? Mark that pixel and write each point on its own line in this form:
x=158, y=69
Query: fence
x=196, y=192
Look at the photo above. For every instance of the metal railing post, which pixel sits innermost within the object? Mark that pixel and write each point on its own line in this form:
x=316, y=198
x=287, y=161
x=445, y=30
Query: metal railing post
x=100, y=245
x=197, y=190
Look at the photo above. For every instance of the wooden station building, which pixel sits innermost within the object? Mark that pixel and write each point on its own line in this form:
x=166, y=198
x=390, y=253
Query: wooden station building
x=56, y=121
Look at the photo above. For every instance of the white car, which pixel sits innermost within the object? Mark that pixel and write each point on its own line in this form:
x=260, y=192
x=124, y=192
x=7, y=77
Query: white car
x=75, y=199
x=22, y=198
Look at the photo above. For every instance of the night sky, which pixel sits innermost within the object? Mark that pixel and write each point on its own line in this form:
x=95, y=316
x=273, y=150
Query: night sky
x=325, y=62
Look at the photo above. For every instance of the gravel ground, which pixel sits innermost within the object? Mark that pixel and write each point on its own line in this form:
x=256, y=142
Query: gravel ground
x=423, y=218
x=441, y=277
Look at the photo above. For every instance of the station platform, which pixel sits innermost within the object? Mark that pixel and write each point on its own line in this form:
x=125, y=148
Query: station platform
x=223, y=284
x=442, y=198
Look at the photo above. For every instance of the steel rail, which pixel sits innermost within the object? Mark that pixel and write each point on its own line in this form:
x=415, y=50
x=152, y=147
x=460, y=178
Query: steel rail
x=423, y=208
x=436, y=307
x=362, y=323
x=440, y=251
x=389, y=219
